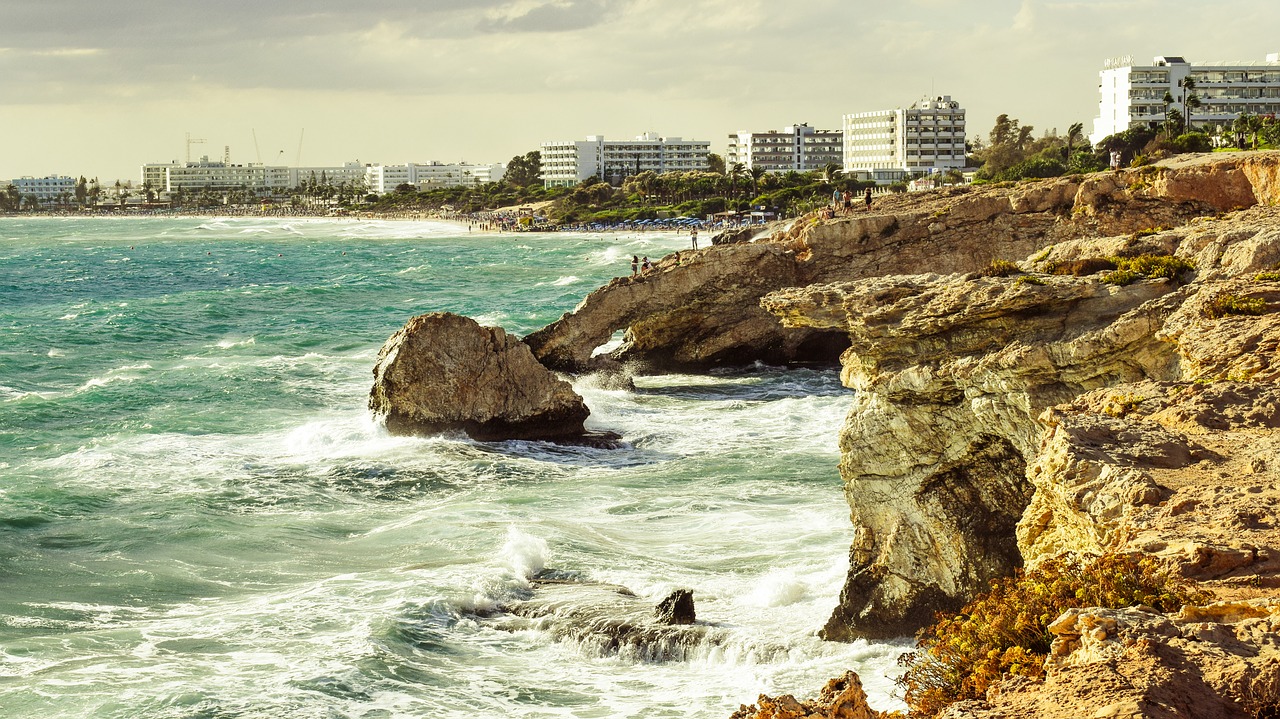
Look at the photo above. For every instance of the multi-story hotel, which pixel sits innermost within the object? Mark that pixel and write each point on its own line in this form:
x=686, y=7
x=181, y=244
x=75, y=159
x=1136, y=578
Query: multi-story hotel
x=385, y=178
x=567, y=163
x=216, y=176
x=222, y=176
x=1134, y=95
x=45, y=189
x=796, y=147
x=891, y=145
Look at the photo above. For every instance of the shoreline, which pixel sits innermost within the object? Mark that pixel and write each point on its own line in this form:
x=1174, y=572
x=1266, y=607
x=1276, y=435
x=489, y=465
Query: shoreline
x=464, y=227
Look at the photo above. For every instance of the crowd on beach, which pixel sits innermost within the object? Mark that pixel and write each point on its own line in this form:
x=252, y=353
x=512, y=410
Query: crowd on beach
x=489, y=221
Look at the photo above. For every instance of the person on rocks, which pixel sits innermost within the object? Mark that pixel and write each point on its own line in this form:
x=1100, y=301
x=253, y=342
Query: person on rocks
x=645, y=265
x=693, y=235
x=867, y=197
x=635, y=265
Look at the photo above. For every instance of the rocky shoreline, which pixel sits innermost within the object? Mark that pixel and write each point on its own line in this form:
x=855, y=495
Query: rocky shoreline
x=1077, y=365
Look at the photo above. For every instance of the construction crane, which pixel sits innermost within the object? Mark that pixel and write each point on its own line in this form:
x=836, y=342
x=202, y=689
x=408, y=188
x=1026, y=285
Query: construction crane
x=298, y=160
x=256, y=151
x=193, y=141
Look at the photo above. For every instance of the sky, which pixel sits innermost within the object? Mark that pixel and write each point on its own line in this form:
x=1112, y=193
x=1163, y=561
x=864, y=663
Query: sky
x=98, y=88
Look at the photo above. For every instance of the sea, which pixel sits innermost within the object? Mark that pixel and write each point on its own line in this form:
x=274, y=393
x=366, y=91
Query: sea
x=200, y=519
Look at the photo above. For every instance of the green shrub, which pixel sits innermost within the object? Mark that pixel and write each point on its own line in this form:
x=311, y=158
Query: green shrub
x=1267, y=277
x=1000, y=268
x=1131, y=269
x=1029, y=280
x=1005, y=631
x=1166, y=266
x=1225, y=303
x=1146, y=232
x=1121, y=277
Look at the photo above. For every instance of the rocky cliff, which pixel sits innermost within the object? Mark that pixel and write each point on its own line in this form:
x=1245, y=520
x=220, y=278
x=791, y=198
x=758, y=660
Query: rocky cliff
x=1114, y=391
x=953, y=372
x=702, y=310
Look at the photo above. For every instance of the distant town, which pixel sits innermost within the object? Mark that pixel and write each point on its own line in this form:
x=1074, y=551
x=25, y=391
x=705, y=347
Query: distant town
x=919, y=146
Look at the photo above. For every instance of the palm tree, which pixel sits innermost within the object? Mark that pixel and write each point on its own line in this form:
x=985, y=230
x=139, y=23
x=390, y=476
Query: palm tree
x=11, y=198
x=830, y=173
x=756, y=173
x=736, y=170
x=1188, y=85
x=1074, y=133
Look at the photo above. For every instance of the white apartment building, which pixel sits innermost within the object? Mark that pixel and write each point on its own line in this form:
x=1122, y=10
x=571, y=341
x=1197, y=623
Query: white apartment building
x=565, y=164
x=221, y=176
x=891, y=145
x=46, y=189
x=1133, y=95
x=795, y=147
x=385, y=178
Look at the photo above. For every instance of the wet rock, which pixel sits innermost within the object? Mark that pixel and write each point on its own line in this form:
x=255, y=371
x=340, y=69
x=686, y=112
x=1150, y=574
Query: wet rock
x=842, y=698
x=444, y=372
x=608, y=620
x=677, y=608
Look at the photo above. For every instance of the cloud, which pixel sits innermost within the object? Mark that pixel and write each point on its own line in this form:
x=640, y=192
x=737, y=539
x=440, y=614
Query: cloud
x=546, y=16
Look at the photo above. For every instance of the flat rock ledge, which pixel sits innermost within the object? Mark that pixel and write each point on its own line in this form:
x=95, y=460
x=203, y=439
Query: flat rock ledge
x=443, y=372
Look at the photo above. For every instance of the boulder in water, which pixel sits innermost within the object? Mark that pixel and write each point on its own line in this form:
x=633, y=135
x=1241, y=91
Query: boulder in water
x=677, y=608
x=443, y=372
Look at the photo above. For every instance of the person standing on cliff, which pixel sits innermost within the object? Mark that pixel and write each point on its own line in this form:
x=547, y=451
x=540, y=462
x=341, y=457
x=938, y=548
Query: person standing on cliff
x=867, y=197
x=1115, y=160
x=635, y=265
x=693, y=235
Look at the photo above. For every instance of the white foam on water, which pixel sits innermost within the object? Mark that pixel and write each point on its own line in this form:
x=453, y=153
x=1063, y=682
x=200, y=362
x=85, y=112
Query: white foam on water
x=229, y=343
x=779, y=588
x=562, y=281
x=126, y=373
x=524, y=554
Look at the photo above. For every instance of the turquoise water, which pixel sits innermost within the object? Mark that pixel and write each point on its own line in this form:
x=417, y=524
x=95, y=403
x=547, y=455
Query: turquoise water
x=199, y=519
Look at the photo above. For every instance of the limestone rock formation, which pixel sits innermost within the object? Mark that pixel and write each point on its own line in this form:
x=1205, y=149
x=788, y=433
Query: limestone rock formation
x=842, y=698
x=1185, y=471
x=950, y=375
x=703, y=311
x=1215, y=662
x=953, y=374
x=444, y=372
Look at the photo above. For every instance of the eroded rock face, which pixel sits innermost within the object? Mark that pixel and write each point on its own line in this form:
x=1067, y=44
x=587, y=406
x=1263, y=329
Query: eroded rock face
x=444, y=372
x=1185, y=471
x=950, y=374
x=703, y=312
x=946, y=446
x=1215, y=662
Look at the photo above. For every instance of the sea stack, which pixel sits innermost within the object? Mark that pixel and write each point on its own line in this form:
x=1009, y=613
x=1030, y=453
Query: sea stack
x=443, y=372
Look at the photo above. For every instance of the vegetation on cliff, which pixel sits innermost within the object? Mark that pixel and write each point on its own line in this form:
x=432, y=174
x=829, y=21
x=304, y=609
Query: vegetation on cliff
x=1005, y=632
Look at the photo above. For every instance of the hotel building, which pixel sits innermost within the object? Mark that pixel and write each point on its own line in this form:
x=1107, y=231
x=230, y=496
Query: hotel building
x=1133, y=95
x=891, y=145
x=385, y=178
x=565, y=164
x=797, y=147
x=46, y=189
